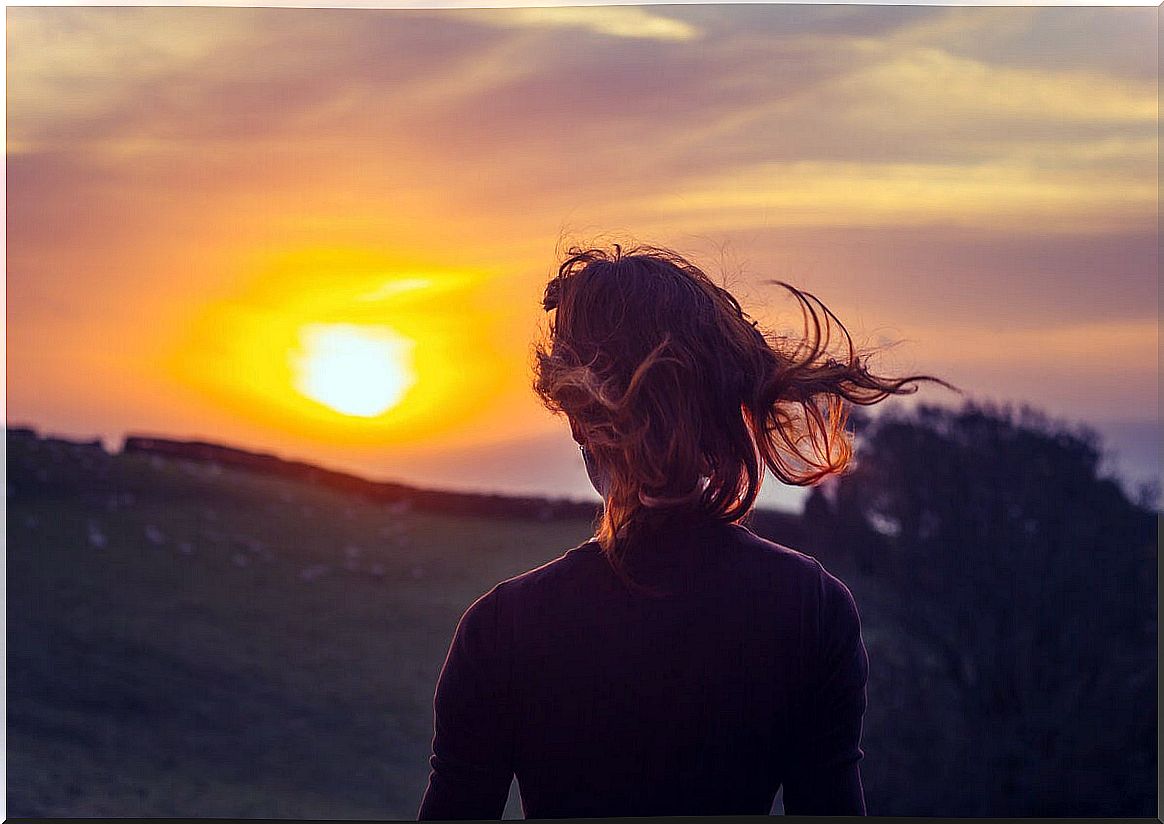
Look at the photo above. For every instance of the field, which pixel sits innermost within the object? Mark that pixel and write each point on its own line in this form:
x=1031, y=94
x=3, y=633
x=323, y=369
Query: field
x=191, y=640
x=187, y=640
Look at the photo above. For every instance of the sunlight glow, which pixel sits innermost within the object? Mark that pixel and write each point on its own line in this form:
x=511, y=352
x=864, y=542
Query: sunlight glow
x=362, y=371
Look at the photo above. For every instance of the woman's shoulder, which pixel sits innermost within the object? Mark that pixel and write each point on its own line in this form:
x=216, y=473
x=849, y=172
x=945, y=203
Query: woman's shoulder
x=747, y=560
x=763, y=555
x=561, y=572
x=545, y=584
x=826, y=604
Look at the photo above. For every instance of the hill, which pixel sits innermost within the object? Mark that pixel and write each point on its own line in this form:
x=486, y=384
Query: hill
x=198, y=631
x=201, y=631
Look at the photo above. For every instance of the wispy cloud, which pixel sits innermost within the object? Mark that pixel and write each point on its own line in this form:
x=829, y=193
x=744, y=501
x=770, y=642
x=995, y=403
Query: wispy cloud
x=992, y=194
x=931, y=79
x=635, y=22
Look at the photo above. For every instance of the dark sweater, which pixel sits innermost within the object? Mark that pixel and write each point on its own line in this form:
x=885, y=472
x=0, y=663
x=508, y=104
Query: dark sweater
x=750, y=675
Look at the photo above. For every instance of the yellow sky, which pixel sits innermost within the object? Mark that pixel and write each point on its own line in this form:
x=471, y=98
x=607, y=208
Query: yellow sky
x=191, y=189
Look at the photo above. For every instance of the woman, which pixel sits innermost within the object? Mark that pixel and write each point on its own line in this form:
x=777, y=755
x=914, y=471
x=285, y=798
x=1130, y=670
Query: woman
x=676, y=663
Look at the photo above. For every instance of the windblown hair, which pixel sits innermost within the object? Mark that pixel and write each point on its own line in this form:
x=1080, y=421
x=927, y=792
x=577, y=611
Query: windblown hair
x=682, y=398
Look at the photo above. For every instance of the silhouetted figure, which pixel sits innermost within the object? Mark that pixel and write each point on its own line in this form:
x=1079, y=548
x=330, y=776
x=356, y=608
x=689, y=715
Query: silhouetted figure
x=676, y=663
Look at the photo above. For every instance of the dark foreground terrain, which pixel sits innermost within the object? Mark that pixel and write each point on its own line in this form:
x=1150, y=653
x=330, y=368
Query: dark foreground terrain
x=187, y=640
x=195, y=640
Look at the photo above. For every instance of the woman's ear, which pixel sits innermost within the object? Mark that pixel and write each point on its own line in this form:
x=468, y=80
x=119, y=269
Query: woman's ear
x=576, y=431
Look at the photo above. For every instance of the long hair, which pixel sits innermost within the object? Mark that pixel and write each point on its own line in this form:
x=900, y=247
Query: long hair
x=683, y=399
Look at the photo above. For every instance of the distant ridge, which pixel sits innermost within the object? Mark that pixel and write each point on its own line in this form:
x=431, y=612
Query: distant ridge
x=465, y=503
x=783, y=527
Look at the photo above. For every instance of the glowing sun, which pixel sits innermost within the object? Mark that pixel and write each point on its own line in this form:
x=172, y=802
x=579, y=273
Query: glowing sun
x=361, y=371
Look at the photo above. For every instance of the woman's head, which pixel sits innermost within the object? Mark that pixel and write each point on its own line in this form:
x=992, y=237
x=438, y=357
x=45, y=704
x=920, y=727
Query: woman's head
x=681, y=399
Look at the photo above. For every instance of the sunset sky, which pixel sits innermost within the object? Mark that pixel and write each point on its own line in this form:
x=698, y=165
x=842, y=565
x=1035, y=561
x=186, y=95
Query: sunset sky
x=325, y=232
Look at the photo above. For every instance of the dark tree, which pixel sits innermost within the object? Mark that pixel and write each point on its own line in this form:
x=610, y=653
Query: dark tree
x=1020, y=586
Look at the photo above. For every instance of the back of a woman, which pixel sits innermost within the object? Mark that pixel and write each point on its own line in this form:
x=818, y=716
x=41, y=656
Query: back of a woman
x=676, y=663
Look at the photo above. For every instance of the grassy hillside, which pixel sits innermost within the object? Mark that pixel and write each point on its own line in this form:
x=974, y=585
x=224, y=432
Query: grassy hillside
x=186, y=640
x=191, y=640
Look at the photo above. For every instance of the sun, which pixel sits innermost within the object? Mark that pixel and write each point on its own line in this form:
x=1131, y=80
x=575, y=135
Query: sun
x=362, y=371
